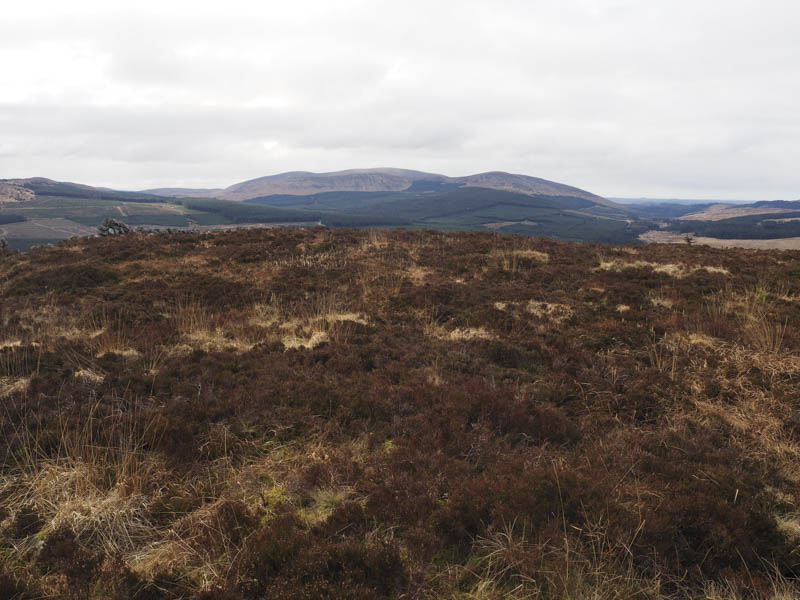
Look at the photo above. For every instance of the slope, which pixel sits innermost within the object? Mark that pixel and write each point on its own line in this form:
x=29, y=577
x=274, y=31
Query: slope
x=304, y=183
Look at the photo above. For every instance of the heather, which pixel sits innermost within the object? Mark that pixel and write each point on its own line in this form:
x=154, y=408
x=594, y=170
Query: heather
x=307, y=413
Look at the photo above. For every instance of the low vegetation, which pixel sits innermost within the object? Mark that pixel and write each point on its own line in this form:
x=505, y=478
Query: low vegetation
x=289, y=413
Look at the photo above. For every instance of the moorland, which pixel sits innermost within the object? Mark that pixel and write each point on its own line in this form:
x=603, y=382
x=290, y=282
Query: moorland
x=320, y=413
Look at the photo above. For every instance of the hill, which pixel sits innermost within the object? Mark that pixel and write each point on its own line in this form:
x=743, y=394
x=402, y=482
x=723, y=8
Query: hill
x=304, y=183
x=40, y=210
x=316, y=413
x=765, y=220
x=35, y=211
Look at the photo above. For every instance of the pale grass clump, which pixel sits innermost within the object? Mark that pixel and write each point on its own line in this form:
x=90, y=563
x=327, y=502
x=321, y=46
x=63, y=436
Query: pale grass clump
x=434, y=329
x=375, y=240
x=676, y=270
x=214, y=332
x=378, y=281
x=754, y=310
x=417, y=274
x=19, y=361
x=322, y=261
x=11, y=385
x=781, y=590
x=108, y=335
x=90, y=375
x=550, y=311
x=18, y=364
x=102, y=484
x=661, y=299
x=200, y=563
x=324, y=319
x=199, y=545
x=789, y=525
x=293, y=342
x=662, y=354
x=98, y=484
x=323, y=502
x=553, y=312
x=761, y=329
x=508, y=564
x=191, y=316
x=266, y=314
x=218, y=339
x=541, y=257
x=515, y=261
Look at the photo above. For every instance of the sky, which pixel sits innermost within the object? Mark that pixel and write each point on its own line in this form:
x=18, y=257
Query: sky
x=659, y=98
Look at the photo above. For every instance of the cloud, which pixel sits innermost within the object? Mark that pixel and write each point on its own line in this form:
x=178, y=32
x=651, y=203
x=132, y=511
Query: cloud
x=615, y=96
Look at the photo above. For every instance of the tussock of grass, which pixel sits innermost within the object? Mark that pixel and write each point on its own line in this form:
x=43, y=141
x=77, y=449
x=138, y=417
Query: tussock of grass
x=551, y=311
x=672, y=269
x=437, y=331
x=315, y=339
x=12, y=385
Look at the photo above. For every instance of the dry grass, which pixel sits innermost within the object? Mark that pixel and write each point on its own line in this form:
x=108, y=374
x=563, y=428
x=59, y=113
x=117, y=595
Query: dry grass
x=435, y=330
x=11, y=385
x=97, y=482
x=672, y=269
x=754, y=309
x=550, y=311
x=309, y=343
x=515, y=260
x=325, y=318
x=499, y=569
x=661, y=299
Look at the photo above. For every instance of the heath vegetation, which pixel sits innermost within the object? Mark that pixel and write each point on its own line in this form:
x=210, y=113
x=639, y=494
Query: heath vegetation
x=408, y=414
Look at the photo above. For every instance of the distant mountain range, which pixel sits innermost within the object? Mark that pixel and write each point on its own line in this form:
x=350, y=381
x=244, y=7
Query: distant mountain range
x=304, y=183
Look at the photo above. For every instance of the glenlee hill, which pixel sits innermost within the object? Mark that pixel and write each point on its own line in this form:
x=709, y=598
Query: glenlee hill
x=323, y=412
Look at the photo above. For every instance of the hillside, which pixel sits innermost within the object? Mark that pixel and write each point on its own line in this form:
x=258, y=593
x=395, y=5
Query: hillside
x=39, y=210
x=452, y=207
x=764, y=224
x=42, y=211
x=315, y=413
x=304, y=183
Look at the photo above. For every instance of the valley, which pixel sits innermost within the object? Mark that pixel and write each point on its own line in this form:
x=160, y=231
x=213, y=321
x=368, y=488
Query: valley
x=40, y=211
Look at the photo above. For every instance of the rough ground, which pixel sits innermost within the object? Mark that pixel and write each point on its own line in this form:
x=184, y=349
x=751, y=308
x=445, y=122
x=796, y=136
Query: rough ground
x=337, y=414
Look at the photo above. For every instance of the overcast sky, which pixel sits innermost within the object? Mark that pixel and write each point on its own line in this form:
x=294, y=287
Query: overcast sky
x=670, y=98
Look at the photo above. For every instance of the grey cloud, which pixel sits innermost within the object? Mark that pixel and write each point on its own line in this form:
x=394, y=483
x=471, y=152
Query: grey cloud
x=616, y=96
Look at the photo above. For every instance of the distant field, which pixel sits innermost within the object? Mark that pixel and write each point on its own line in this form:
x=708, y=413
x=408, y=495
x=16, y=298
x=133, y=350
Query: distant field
x=719, y=212
x=666, y=237
x=45, y=228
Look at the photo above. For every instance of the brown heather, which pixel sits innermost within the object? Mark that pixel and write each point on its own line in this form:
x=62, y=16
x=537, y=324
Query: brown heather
x=362, y=414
